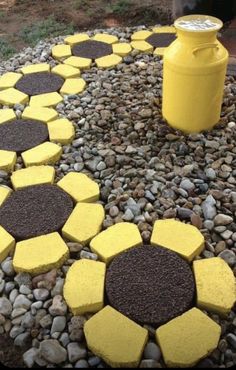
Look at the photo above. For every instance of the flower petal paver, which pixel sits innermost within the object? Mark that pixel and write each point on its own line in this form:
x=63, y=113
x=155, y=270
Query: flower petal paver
x=81, y=51
x=116, y=339
x=5, y=192
x=7, y=243
x=155, y=41
x=39, y=85
x=35, y=175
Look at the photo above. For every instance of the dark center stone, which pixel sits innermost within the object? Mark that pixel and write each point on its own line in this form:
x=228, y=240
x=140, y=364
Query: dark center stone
x=35, y=210
x=150, y=285
x=39, y=83
x=92, y=49
x=161, y=40
x=20, y=135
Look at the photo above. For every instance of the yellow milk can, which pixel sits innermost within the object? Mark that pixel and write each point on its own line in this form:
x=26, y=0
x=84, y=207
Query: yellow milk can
x=193, y=74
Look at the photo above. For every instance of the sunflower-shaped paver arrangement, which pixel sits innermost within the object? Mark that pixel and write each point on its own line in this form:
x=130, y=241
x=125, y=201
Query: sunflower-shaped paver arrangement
x=162, y=284
x=80, y=51
x=155, y=41
x=38, y=212
x=35, y=136
x=40, y=85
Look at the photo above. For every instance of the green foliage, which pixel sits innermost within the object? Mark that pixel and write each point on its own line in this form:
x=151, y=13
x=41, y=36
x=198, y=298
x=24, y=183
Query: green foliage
x=81, y=4
x=6, y=49
x=121, y=7
x=43, y=29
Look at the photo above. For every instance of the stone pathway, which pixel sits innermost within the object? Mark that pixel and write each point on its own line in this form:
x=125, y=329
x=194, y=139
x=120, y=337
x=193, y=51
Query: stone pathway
x=62, y=288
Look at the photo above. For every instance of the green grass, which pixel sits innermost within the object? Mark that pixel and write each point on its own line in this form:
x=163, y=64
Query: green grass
x=6, y=49
x=43, y=29
x=121, y=7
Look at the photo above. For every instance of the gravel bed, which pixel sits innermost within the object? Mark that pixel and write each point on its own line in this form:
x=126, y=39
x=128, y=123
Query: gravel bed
x=146, y=171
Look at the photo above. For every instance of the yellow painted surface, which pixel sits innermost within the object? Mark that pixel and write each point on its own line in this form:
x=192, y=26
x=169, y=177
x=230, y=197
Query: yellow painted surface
x=7, y=160
x=9, y=79
x=7, y=115
x=40, y=114
x=40, y=254
x=115, y=240
x=75, y=39
x=61, y=131
x=66, y=71
x=7, y=243
x=187, y=339
x=5, y=191
x=105, y=37
x=80, y=187
x=122, y=49
x=12, y=96
x=46, y=153
x=108, y=61
x=215, y=283
x=46, y=100
x=179, y=237
x=61, y=51
x=118, y=340
x=78, y=62
x=159, y=51
x=73, y=86
x=35, y=175
x=143, y=46
x=84, y=222
x=141, y=35
x=165, y=29
x=195, y=61
x=34, y=68
x=84, y=286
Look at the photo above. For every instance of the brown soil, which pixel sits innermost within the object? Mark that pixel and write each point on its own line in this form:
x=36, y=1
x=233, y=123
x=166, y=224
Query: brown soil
x=10, y=355
x=83, y=14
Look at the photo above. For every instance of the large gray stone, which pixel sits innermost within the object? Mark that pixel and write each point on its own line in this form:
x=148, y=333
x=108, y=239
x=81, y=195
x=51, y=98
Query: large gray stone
x=52, y=351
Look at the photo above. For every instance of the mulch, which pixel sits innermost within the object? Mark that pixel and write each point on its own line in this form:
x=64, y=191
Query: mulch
x=39, y=83
x=150, y=285
x=35, y=210
x=161, y=40
x=10, y=355
x=20, y=135
x=92, y=49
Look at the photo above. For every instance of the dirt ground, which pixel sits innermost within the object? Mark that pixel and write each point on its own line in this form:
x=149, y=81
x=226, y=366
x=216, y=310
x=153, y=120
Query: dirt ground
x=83, y=14
x=10, y=356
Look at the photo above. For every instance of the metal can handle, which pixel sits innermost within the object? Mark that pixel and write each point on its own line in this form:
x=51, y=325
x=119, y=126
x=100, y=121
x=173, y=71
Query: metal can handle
x=205, y=46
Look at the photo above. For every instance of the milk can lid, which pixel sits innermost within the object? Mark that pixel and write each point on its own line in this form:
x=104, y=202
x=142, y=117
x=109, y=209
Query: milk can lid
x=198, y=23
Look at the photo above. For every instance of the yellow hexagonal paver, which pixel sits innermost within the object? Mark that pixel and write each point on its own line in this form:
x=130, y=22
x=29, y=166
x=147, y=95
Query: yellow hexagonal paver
x=35, y=68
x=61, y=51
x=164, y=29
x=119, y=341
x=104, y=37
x=122, y=49
x=46, y=100
x=80, y=187
x=78, y=62
x=42, y=114
x=61, y=131
x=35, y=175
x=143, y=46
x=73, y=86
x=181, y=238
x=159, y=51
x=215, y=283
x=46, y=153
x=7, y=160
x=84, y=286
x=187, y=339
x=40, y=254
x=12, y=96
x=7, y=243
x=84, y=222
x=7, y=115
x=141, y=35
x=115, y=240
x=108, y=61
x=9, y=79
x=5, y=191
x=77, y=38
x=66, y=71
